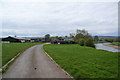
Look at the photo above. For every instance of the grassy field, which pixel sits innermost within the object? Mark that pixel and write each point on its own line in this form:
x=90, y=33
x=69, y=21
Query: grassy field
x=84, y=62
x=9, y=50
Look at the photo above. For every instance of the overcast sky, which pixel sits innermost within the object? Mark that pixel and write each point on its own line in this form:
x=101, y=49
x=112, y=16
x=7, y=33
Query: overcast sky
x=37, y=18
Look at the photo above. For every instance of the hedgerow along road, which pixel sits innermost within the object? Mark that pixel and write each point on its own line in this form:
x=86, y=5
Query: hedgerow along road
x=33, y=63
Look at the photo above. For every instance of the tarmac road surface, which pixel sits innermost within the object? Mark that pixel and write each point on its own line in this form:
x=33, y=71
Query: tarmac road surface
x=33, y=63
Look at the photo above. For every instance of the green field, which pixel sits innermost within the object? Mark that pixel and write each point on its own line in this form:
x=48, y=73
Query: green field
x=84, y=62
x=9, y=50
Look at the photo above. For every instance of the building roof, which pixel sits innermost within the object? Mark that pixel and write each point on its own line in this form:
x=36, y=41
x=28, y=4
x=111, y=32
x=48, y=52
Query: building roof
x=20, y=38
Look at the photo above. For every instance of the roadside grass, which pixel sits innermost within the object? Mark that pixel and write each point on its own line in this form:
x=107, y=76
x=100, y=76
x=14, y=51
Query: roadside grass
x=100, y=42
x=9, y=50
x=84, y=62
x=116, y=43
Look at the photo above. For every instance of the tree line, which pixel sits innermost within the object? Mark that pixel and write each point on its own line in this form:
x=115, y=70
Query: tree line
x=83, y=38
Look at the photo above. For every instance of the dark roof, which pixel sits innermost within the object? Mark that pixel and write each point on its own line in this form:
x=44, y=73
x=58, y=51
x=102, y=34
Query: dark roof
x=11, y=39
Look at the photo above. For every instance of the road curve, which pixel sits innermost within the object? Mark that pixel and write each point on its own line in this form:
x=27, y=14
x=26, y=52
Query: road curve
x=34, y=63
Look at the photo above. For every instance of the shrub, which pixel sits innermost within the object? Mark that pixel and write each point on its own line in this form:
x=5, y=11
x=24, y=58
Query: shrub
x=89, y=42
x=68, y=42
x=83, y=38
x=81, y=42
x=72, y=42
x=64, y=42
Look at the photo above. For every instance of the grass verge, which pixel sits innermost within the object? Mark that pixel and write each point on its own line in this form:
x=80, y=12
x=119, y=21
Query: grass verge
x=116, y=43
x=100, y=42
x=84, y=62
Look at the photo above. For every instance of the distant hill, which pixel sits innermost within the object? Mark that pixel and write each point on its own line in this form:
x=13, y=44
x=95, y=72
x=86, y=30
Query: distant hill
x=109, y=36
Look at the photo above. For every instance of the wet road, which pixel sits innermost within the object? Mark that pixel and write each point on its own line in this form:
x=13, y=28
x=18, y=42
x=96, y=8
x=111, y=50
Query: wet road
x=103, y=47
x=34, y=63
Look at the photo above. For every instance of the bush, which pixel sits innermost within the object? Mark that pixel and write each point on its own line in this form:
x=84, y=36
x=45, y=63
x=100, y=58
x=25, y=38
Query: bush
x=72, y=42
x=83, y=38
x=64, y=42
x=89, y=42
x=68, y=42
x=81, y=42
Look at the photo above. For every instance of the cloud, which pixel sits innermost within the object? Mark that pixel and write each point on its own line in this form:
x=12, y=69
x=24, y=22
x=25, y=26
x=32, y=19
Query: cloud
x=58, y=18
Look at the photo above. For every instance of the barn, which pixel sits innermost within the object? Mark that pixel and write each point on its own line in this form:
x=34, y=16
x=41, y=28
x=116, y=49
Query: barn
x=13, y=39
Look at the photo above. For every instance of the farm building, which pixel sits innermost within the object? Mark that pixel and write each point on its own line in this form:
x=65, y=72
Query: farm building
x=34, y=39
x=62, y=41
x=56, y=40
x=12, y=39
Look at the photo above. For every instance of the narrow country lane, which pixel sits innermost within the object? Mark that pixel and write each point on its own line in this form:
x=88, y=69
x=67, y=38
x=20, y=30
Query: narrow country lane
x=34, y=63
